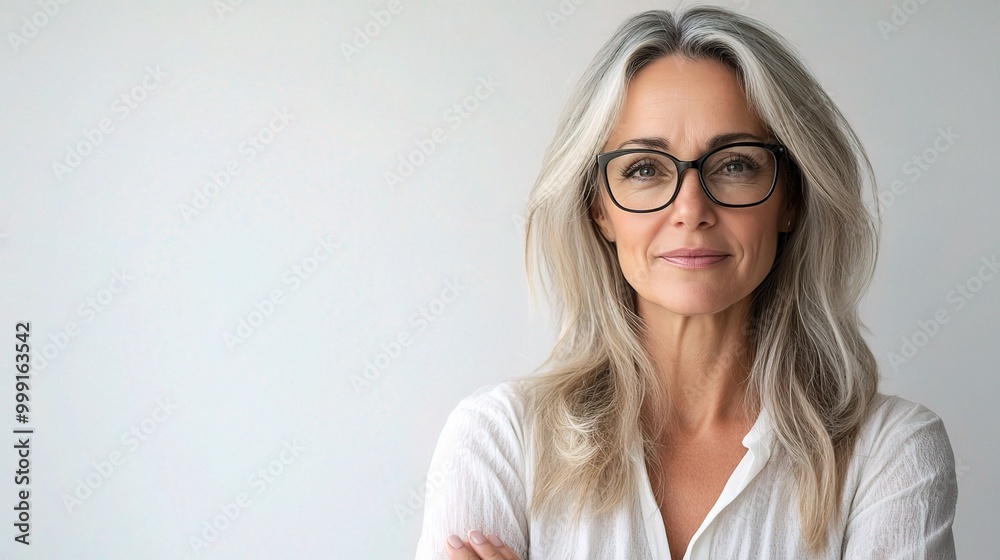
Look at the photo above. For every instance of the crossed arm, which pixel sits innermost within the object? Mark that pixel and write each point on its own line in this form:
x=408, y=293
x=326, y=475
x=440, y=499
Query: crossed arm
x=476, y=486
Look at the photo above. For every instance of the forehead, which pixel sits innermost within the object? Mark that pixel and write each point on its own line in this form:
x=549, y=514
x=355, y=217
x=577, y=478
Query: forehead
x=685, y=102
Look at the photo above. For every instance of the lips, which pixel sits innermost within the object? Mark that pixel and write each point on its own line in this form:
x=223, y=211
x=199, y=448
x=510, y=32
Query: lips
x=694, y=257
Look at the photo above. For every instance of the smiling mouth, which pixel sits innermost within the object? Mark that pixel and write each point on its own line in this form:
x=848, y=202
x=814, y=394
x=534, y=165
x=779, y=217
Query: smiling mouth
x=704, y=261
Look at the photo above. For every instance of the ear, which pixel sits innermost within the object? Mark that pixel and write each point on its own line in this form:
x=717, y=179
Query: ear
x=600, y=218
x=790, y=186
x=787, y=217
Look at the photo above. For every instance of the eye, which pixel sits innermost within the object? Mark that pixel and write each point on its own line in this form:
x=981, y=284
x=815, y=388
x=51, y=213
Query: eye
x=642, y=169
x=645, y=171
x=736, y=166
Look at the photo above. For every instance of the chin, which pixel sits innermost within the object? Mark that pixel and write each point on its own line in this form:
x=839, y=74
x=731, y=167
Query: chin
x=690, y=305
x=693, y=310
x=691, y=296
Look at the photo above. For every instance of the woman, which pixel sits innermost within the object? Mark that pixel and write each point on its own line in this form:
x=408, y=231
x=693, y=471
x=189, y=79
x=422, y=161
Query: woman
x=701, y=220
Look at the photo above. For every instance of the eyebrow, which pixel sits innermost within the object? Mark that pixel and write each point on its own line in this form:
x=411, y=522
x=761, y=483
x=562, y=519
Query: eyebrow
x=661, y=143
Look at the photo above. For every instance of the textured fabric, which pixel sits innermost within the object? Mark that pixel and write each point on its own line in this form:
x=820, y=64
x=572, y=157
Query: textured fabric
x=898, y=502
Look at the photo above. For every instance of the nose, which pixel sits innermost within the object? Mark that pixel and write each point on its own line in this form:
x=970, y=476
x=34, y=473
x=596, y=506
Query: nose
x=691, y=206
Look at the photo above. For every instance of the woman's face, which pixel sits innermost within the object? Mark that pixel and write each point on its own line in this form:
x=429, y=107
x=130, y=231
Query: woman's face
x=684, y=104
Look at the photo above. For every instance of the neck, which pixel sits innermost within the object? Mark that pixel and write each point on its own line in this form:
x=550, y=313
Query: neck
x=703, y=363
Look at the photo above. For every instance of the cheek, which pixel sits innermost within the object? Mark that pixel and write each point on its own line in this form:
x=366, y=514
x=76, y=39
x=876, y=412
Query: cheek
x=759, y=252
x=634, y=239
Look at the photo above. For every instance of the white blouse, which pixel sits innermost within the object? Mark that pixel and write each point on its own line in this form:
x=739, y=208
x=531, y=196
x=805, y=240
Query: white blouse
x=898, y=502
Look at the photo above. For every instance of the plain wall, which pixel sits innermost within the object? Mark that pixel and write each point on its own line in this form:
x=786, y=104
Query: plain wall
x=157, y=410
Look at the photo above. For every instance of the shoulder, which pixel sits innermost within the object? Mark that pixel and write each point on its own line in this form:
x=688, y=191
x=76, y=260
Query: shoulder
x=499, y=408
x=507, y=398
x=904, y=447
x=895, y=422
x=906, y=491
x=489, y=422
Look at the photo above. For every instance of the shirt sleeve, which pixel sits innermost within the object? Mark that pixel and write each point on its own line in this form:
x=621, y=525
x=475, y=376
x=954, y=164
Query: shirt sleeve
x=905, y=502
x=476, y=478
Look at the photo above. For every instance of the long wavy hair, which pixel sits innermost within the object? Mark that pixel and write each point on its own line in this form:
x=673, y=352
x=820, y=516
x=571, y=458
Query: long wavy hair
x=597, y=393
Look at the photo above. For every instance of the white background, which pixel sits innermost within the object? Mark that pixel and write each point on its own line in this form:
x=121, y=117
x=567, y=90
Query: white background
x=362, y=454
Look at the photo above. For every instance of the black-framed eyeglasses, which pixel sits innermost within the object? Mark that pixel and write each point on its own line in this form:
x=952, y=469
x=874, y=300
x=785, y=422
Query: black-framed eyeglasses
x=736, y=175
